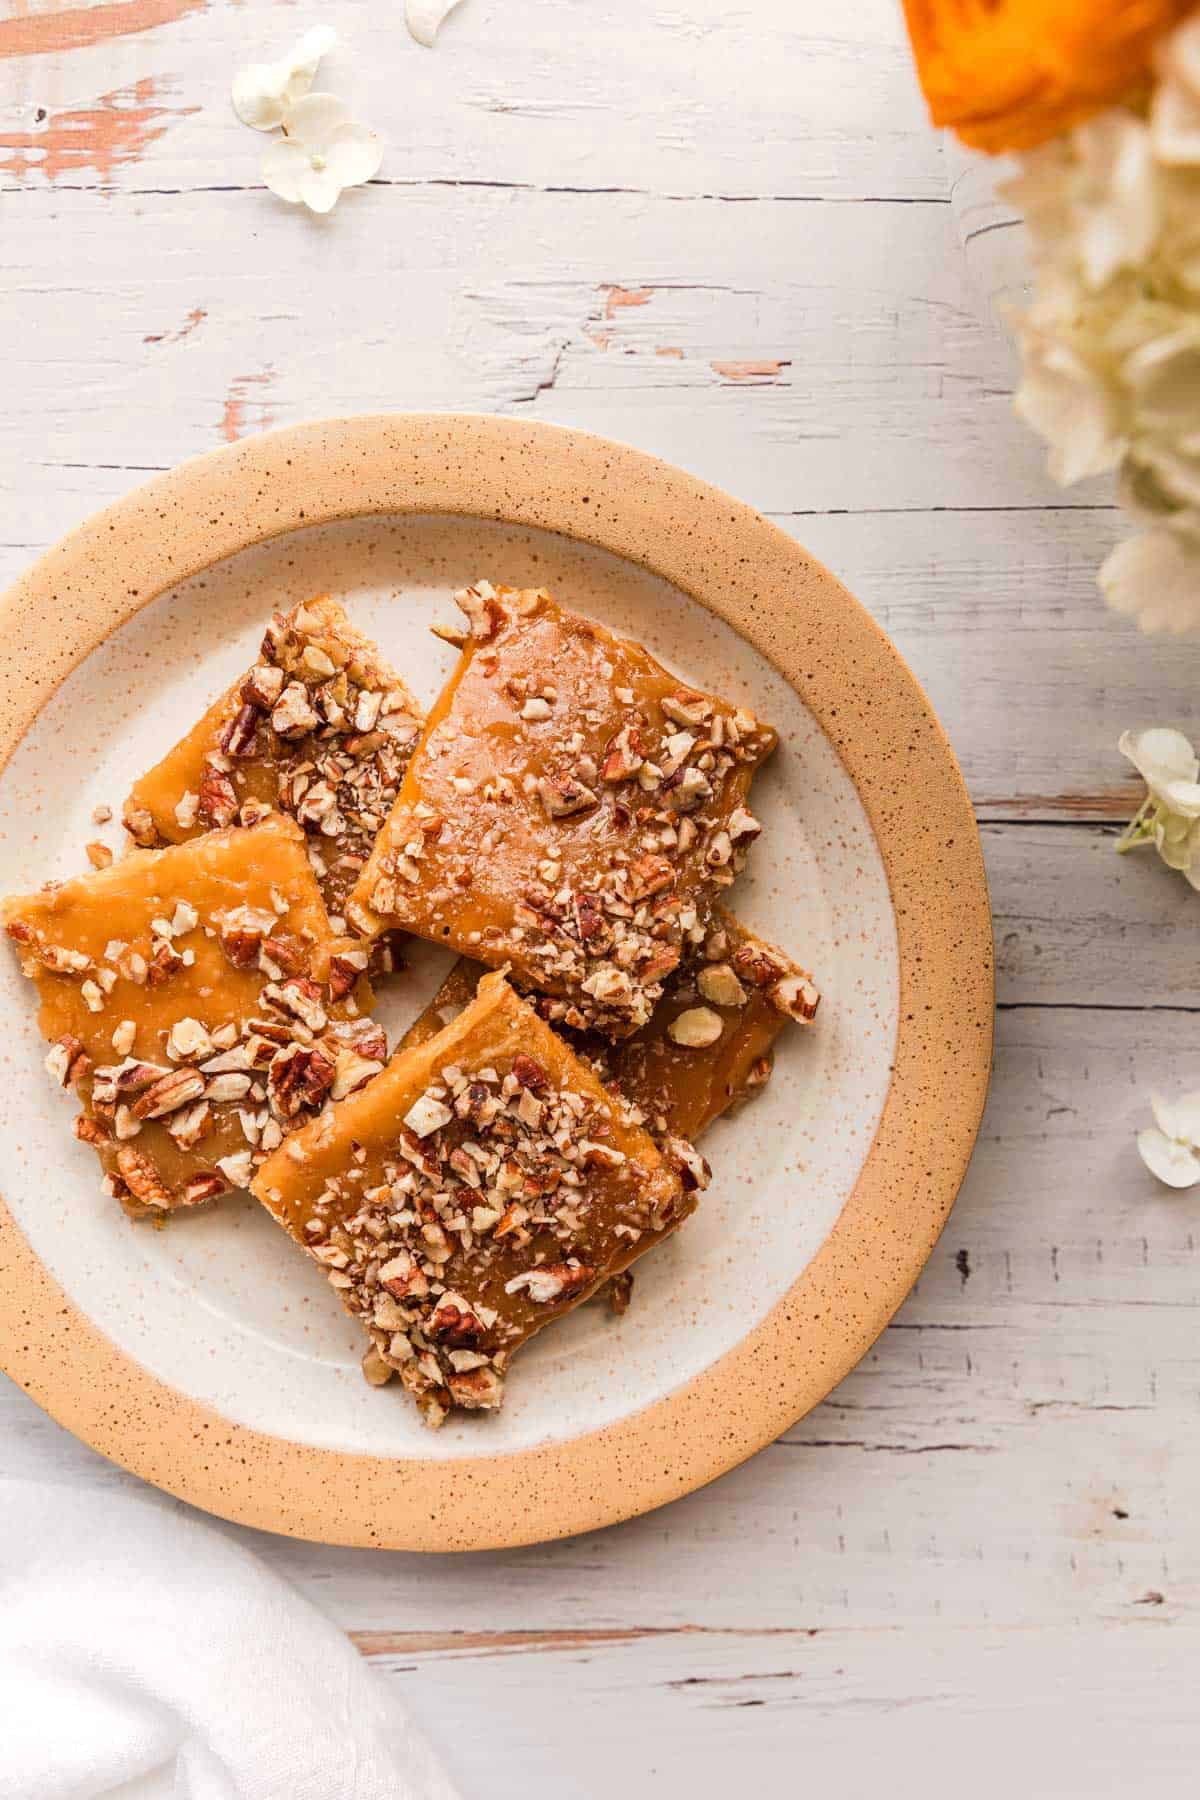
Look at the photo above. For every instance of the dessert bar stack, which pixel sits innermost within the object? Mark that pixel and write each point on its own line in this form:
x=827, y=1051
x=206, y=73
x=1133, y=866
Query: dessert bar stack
x=568, y=819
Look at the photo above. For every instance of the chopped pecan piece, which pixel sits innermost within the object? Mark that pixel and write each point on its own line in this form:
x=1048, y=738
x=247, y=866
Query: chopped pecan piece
x=563, y=795
x=168, y=1093
x=454, y=1324
x=67, y=1060
x=218, y=802
x=205, y=1185
x=299, y=1078
x=346, y=968
x=530, y=1073
x=240, y=736
x=142, y=1178
x=297, y=998
x=165, y=962
x=551, y=1283
x=620, y=1291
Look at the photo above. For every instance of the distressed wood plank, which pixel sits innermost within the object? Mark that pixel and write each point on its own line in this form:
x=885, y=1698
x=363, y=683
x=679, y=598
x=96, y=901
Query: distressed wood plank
x=997, y=611
x=1066, y=1713
x=502, y=301
x=677, y=100
x=1077, y=924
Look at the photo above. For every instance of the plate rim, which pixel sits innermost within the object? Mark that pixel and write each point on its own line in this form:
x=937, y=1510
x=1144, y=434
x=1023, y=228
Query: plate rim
x=785, y=603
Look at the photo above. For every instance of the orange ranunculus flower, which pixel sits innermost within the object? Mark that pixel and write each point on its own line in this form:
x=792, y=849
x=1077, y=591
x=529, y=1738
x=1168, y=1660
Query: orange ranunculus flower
x=1008, y=74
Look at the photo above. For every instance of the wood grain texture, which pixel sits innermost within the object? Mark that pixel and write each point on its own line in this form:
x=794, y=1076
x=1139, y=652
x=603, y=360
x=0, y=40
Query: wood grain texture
x=724, y=237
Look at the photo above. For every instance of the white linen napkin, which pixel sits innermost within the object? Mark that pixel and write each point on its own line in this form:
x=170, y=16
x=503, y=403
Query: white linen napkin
x=144, y=1655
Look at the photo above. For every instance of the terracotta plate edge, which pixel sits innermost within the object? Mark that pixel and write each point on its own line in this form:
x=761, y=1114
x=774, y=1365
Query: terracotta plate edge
x=795, y=612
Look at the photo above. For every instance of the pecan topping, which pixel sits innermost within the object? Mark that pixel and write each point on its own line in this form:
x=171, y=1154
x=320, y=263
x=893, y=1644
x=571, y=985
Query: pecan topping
x=263, y=686
x=555, y=1281
x=454, y=1324
x=485, y=614
x=142, y=1178
x=563, y=795
x=620, y=1291
x=67, y=1060
x=287, y=953
x=796, y=997
x=139, y=823
x=297, y=998
x=205, y=1185
x=217, y=803
x=346, y=967
x=403, y=1279
x=241, y=733
x=292, y=716
x=688, y=1163
x=164, y=963
x=477, y=1390
x=169, y=1092
x=529, y=1073
x=650, y=875
x=299, y=1078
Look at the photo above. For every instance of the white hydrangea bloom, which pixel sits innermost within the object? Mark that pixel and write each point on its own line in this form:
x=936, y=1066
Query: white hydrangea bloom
x=1155, y=579
x=322, y=152
x=1169, y=817
x=1170, y=1148
x=263, y=93
x=1111, y=344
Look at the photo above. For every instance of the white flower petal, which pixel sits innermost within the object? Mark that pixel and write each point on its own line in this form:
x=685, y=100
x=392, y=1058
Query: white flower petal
x=1186, y=1111
x=283, y=168
x=257, y=95
x=1175, y=841
x=1070, y=406
x=1178, y=55
x=314, y=120
x=1172, y=1163
x=1175, y=125
x=319, y=189
x=1118, y=199
x=263, y=92
x=1155, y=579
x=1160, y=755
x=304, y=60
x=424, y=17
x=1165, y=378
x=354, y=155
x=1159, y=483
x=1182, y=798
x=1164, y=1115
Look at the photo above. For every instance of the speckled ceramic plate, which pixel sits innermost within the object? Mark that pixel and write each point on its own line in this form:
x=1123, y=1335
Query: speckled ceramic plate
x=210, y=1357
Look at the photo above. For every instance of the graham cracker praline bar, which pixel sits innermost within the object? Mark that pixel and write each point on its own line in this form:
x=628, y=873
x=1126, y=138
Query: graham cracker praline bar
x=481, y=1186
x=572, y=810
x=320, y=729
x=198, y=1004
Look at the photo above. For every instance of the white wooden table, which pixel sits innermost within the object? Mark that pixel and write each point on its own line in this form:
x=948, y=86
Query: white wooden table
x=723, y=234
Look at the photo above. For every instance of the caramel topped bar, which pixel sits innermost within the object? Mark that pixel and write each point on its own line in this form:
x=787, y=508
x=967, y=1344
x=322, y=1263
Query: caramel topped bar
x=708, y=1044
x=320, y=728
x=572, y=810
x=195, y=1000
x=480, y=1187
